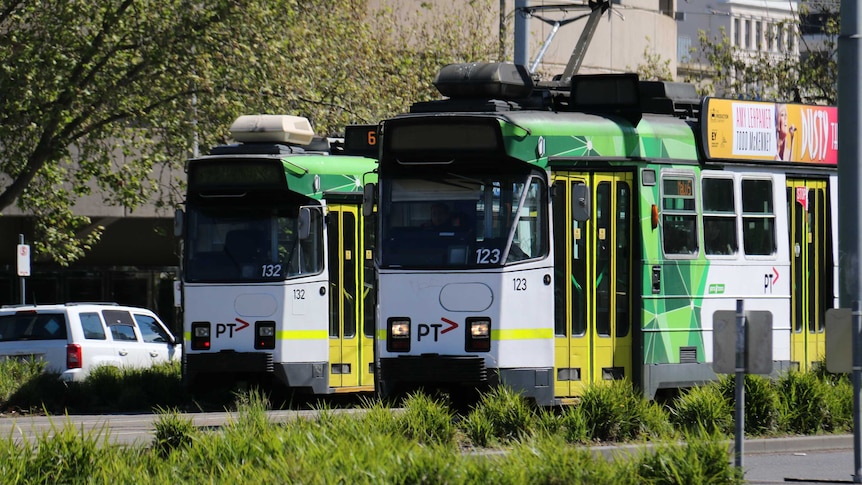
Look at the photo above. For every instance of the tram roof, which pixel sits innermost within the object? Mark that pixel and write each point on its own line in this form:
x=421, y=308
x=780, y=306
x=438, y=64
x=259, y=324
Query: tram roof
x=308, y=174
x=618, y=116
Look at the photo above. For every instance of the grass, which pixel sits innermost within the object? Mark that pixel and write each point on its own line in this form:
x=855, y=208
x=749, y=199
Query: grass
x=503, y=438
x=376, y=446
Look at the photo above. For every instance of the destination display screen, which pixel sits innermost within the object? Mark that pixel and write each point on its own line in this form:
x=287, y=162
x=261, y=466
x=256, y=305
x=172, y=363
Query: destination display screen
x=361, y=140
x=449, y=136
x=231, y=173
x=753, y=130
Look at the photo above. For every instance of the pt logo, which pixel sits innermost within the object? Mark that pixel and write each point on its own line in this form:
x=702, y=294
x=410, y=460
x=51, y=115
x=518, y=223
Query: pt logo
x=769, y=281
x=230, y=328
x=425, y=329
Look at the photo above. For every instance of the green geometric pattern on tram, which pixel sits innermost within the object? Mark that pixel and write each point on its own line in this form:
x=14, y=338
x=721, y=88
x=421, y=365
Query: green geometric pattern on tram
x=672, y=318
x=675, y=321
x=653, y=148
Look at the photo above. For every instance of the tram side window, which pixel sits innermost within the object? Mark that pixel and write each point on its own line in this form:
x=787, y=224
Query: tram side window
x=679, y=215
x=758, y=217
x=719, y=216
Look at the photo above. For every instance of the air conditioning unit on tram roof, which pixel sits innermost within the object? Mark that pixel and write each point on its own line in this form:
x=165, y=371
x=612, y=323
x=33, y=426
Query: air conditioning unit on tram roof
x=294, y=130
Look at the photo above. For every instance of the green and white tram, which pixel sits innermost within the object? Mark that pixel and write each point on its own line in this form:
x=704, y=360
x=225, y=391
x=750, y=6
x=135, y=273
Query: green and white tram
x=277, y=275
x=591, y=230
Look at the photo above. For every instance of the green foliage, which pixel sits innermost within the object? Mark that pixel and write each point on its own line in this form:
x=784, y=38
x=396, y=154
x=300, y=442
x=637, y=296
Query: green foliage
x=803, y=398
x=107, y=389
x=427, y=420
x=560, y=463
x=839, y=400
x=576, y=426
x=109, y=98
x=172, y=432
x=755, y=74
x=699, y=460
x=703, y=409
x=654, y=67
x=64, y=456
x=761, y=402
x=614, y=411
x=13, y=372
x=501, y=415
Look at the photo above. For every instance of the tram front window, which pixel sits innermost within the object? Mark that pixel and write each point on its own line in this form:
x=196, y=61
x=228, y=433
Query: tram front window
x=251, y=244
x=464, y=221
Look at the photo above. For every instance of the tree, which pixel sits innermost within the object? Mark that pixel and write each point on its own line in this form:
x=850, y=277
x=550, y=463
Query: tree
x=781, y=76
x=654, y=67
x=100, y=96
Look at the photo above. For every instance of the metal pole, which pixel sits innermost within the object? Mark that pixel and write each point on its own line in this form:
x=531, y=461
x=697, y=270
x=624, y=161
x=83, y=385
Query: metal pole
x=850, y=197
x=541, y=54
x=739, y=427
x=502, y=54
x=522, y=33
x=857, y=392
x=23, y=278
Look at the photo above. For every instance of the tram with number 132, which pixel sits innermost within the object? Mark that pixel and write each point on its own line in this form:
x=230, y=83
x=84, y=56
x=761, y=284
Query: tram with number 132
x=277, y=279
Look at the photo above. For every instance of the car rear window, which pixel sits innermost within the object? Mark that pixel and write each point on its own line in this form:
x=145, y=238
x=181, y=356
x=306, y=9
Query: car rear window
x=92, y=326
x=32, y=326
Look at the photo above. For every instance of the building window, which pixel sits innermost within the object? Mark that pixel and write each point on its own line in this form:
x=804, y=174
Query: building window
x=791, y=40
x=770, y=37
x=758, y=35
x=747, y=34
x=683, y=49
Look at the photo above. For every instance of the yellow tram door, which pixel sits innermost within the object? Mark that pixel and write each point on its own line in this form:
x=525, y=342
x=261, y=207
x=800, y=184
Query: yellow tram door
x=593, y=249
x=350, y=350
x=811, y=264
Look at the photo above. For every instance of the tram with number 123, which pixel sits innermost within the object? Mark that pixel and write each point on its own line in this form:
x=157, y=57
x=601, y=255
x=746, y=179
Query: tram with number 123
x=550, y=235
x=277, y=279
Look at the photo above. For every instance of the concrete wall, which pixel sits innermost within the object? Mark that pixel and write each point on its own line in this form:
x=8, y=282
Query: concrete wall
x=618, y=44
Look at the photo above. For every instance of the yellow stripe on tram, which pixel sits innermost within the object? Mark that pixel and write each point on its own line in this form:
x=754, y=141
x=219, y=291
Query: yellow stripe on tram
x=302, y=335
x=522, y=334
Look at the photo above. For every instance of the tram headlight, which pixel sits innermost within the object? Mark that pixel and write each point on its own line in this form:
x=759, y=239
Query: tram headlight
x=478, y=338
x=398, y=334
x=264, y=332
x=200, y=335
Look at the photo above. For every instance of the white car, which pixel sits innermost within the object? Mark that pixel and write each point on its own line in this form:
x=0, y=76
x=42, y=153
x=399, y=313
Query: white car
x=74, y=338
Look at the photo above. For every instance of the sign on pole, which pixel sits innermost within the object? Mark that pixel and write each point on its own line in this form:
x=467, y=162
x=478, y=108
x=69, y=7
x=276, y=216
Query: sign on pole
x=23, y=252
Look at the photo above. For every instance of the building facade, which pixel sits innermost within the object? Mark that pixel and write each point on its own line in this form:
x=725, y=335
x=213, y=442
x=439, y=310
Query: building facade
x=752, y=26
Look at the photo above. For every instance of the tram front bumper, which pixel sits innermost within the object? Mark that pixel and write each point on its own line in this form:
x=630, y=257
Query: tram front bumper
x=434, y=369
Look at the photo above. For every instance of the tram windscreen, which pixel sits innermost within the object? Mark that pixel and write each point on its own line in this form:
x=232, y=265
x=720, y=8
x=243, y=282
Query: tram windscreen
x=460, y=220
x=249, y=243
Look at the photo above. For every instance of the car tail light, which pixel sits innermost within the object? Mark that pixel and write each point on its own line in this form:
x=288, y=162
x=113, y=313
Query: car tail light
x=200, y=336
x=398, y=334
x=478, y=337
x=73, y=356
x=264, y=335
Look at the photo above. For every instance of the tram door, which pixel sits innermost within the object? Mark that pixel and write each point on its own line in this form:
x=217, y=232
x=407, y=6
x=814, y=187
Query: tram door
x=350, y=349
x=593, y=280
x=811, y=292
